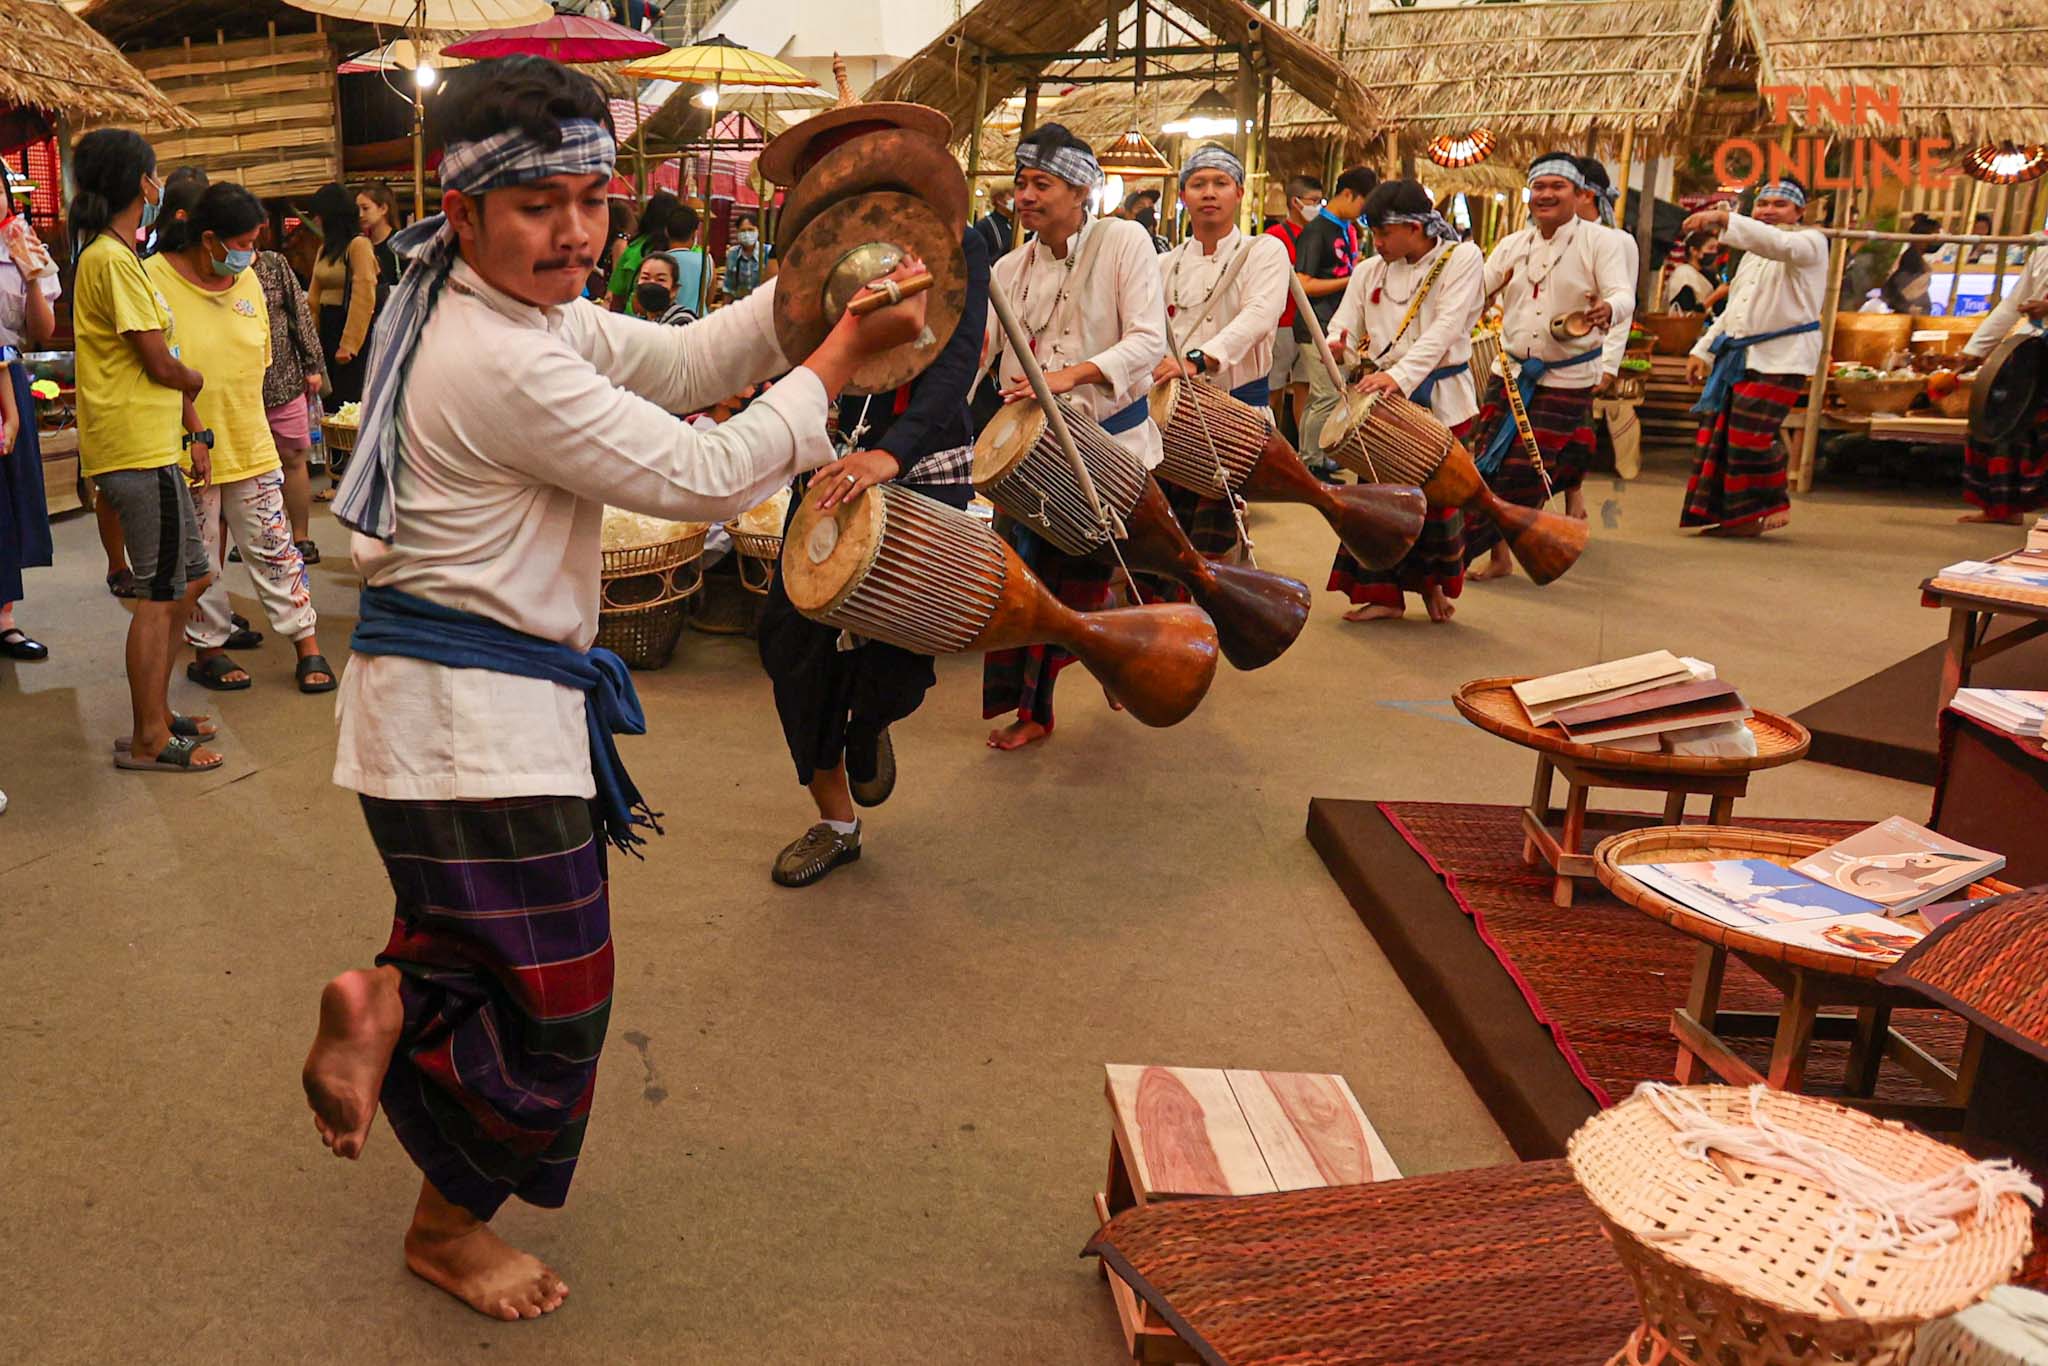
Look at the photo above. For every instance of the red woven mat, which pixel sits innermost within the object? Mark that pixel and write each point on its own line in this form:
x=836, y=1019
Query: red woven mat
x=1602, y=976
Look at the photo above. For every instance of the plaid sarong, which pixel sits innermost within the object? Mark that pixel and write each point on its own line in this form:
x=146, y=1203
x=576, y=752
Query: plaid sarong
x=502, y=938
x=1437, y=559
x=1563, y=422
x=1211, y=528
x=2010, y=480
x=1738, y=471
x=1022, y=679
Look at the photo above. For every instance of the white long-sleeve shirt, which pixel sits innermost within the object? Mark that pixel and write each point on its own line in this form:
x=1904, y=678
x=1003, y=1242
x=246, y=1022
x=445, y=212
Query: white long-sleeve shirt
x=1238, y=331
x=1999, y=323
x=1615, y=348
x=1781, y=282
x=520, y=424
x=1113, y=317
x=1547, y=277
x=1441, y=333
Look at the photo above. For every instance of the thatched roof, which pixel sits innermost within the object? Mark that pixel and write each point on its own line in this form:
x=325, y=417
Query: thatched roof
x=1974, y=71
x=50, y=60
x=943, y=74
x=1545, y=71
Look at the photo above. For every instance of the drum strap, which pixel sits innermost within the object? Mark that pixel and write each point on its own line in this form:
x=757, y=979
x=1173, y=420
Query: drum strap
x=1415, y=304
x=1223, y=283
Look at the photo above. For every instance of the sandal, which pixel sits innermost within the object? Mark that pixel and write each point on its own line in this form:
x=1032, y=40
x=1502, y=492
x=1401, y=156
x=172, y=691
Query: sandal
x=213, y=672
x=325, y=495
x=123, y=584
x=242, y=638
x=181, y=724
x=15, y=644
x=309, y=551
x=175, y=757
x=315, y=664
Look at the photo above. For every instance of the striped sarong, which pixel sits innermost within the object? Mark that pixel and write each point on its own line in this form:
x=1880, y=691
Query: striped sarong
x=1437, y=559
x=502, y=939
x=1022, y=679
x=1738, y=472
x=1210, y=526
x=1563, y=422
x=2010, y=480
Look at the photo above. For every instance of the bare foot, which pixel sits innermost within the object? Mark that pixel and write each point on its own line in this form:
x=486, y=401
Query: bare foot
x=360, y=1016
x=1016, y=735
x=1440, y=606
x=1498, y=566
x=1374, y=611
x=449, y=1247
x=1994, y=521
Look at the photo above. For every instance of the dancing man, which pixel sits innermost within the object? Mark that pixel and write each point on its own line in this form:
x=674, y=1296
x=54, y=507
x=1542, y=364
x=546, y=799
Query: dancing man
x=473, y=722
x=1086, y=291
x=2006, y=482
x=1411, y=309
x=1557, y=266
x=1221, y=313
x=1756, y=360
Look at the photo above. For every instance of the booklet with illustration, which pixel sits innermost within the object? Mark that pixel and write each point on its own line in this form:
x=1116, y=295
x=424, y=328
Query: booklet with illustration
x=1874, y=937
x=1899, y=866
x=1748, y=893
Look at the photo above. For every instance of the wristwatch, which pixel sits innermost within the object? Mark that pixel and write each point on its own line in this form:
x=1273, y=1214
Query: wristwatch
x=1199, y=361
x=204, y=434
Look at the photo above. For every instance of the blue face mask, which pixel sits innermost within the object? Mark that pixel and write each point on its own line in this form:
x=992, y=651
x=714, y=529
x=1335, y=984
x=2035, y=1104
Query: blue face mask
x=149, y=210
x=237, y=262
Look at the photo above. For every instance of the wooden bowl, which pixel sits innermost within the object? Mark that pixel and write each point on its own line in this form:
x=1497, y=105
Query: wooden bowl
x=1869, y=396
x=1870, y=338
x=1672, y=334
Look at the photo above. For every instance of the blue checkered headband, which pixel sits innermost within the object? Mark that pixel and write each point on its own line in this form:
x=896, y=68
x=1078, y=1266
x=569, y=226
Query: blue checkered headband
x=1434, y=223
x=1782, y=189
x=513, y=157
x=1558, y=166
x=1070, y=164
x=1210, y=157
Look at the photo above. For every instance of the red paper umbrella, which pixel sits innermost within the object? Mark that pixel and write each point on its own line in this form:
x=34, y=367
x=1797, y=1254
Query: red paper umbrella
x=564, y=38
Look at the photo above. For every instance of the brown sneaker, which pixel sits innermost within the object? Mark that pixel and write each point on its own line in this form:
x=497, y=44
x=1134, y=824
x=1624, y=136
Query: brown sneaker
x=874, y=791
x=813, y=854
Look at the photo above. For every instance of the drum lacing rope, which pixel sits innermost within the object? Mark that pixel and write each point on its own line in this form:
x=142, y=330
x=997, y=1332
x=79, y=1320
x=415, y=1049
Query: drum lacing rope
x=1244, y=537
x=1874, y=1212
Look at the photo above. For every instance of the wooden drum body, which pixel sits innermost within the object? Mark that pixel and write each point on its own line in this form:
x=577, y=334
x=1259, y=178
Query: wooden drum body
x=1377, y=523
x=909, y=571
x=1385, y=436
x=1019, y=467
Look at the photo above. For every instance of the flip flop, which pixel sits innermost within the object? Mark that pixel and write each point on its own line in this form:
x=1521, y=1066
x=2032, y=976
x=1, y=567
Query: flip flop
x=309, y=551
x=123, y=584
x=324, y=496
x=212, y=674
x=315, y=664
x=242, y=638
x=175, y=757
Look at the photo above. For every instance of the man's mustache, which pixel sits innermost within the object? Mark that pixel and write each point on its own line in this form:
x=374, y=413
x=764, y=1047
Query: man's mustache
x=564, y=262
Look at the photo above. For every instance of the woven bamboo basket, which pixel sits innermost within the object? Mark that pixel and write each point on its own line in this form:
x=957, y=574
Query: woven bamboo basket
x=644, y=597
x=758, y=556
x=1869, y=396
x=2009, y=1328
x=1489, y=704
x=1733, y=1262
x=1672, y=334
x=340, y=439
x=1706, y=843
x=1869, y=338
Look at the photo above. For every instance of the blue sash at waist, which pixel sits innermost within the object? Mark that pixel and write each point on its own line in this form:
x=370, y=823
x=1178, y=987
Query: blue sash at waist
x=1257, y=392
x=1123, y=419
x=1729, y=363
x=1531, y=370
x=1435, y=377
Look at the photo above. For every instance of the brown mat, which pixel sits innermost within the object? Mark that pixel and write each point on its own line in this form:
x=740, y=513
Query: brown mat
x=1550, y=1012
x=1886, y=723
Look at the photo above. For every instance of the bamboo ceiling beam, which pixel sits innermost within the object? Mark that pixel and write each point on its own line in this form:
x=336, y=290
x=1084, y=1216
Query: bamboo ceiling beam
x=1801, y=40
x=1043, y=58
x=1496, y=40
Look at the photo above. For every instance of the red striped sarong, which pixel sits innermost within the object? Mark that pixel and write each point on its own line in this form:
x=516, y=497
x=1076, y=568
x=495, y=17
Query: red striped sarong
x=1562, y=420
x=1022, y=679
x=2012, y=479
x=1437, y=559
x=1738, y=473
x=502, y=940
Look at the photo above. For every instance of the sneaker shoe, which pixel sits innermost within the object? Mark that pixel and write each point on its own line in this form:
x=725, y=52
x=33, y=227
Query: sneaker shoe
x=874, y=791
x=813, y=854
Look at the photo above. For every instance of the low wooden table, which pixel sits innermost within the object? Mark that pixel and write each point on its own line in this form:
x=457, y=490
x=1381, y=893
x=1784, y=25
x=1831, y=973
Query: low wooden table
x=1810, y=980
x=1558, y=836
x=1970, y=641
x=1184, y=1132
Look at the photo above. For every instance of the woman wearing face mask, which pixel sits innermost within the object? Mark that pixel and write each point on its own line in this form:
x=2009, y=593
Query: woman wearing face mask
x=744, y=262
x=224, y=329
x=654, y=293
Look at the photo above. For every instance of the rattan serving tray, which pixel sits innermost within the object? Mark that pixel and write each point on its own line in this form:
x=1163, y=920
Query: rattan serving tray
x=752, y=544
x=1704, y=843
x=1489, y=704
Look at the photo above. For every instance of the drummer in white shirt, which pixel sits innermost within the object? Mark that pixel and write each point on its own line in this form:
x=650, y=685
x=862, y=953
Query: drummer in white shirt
x=1409, y=312
x=2006, y=483
x=1086, y=291
x=1224, y=296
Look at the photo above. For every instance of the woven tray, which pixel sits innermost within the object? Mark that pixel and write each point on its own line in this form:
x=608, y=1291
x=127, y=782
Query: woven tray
x=655, y=558
x=339, y=436
x=1731, y=1261
x=1488, y=704
x=758, y=557
x=1704, y=843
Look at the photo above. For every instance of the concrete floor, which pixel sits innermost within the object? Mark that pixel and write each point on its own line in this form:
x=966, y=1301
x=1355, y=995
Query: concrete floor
x=858, y=1123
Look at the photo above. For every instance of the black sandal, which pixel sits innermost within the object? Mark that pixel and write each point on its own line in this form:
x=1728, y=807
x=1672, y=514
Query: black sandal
x=309, y=551
x=316, y=664
x=123, y=584
x=15, y=644
x=242, y=637
x=212, y=672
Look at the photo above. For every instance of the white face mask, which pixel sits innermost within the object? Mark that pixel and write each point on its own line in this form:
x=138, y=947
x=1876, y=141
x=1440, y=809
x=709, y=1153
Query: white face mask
x=748, y=237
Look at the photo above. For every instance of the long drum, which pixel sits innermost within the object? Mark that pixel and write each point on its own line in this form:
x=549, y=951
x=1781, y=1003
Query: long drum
x=1019, y=466
x=1377, y=523
x=1384, y=436
x=904, y=569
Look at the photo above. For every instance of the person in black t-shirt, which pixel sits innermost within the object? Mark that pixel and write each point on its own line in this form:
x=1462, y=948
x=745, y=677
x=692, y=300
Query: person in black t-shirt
x=1323, y=259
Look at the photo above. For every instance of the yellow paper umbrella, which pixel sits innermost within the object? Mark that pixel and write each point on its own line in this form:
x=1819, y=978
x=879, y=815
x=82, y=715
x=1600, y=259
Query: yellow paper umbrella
x=717, y=61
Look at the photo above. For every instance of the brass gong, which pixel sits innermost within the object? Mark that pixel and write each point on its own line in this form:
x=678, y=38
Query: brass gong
x=897, y=159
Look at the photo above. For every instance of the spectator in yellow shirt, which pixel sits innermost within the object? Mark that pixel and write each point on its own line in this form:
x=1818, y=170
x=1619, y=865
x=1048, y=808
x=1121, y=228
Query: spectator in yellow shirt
x=224, y=326
x=134, y=394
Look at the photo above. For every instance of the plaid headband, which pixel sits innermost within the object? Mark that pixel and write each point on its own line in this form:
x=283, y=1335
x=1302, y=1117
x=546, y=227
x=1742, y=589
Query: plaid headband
x=1071, y=164
x=1560, y=167
x=1434, y=223
x=1212, y=158
x=1782, y=189
x=512, y=157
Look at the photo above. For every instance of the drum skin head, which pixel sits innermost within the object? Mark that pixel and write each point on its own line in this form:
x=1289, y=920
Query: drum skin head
x=779, y=158
x=1008, y=438
x=1164, y=396
x=1339, y=424
x=2008, y=388
x=898, y=159
x=825, y=554
x=809, y=297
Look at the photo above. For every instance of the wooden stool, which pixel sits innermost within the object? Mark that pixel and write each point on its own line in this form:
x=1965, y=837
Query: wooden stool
x=1181, y=1132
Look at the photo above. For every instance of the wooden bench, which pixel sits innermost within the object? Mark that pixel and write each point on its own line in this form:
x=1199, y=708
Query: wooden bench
x=1190, y=1132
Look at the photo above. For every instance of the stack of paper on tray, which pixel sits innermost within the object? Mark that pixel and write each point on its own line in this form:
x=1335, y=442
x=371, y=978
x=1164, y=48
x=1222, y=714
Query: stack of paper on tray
x=2017, y=577
x=1647, y=703
x=2013, y=710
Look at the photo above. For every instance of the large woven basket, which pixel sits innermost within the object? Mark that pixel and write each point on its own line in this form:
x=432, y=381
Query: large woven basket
x=1489, y=704
x=1706, y=843
x=1732, y=1262
x=644, y=597
x=1868, y=396
x=758, y=556
x=1870, y=338
x=1672, y=334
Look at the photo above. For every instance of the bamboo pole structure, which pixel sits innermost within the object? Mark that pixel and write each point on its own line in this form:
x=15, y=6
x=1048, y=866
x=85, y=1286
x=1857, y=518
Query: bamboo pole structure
x=1817, y=388
x=1955, y=276
x=1646, y=235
